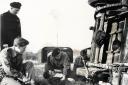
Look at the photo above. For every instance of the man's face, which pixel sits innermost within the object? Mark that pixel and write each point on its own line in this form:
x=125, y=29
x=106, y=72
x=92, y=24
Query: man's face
x=14, y=10
x=20, y=49
x=58, y=57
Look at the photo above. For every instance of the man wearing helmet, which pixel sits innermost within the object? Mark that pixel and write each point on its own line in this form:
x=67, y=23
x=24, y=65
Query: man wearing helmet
x=59, y=62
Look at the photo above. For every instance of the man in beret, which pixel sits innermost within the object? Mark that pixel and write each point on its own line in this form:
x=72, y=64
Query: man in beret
x=10, y=25
x=11, y=60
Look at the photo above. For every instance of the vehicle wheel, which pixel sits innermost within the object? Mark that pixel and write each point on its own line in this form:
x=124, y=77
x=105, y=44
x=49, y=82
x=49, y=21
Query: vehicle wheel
x=112, y=1
x=95, y=3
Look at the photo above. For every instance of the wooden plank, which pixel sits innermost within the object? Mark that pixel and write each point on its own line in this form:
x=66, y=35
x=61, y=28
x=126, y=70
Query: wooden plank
x=115, y=79
x=116, y=57
x=124, y=80
x=117, y=52
x=124, y=41
x=101, y=54
x=0, y=34
x=101, y=27
x=112, y=38
x=97, y=55
x=93, y=45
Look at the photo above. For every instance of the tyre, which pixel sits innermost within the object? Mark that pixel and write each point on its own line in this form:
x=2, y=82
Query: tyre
x=95, y=3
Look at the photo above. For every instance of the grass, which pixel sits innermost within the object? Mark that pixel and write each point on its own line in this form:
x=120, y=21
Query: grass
x=39, y=79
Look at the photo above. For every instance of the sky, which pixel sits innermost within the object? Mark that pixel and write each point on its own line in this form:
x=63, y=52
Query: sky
x=63, y=23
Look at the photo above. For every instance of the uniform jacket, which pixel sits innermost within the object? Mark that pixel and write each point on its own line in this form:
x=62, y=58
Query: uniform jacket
x=12, y=63
x=10, y=28
x=62, y=64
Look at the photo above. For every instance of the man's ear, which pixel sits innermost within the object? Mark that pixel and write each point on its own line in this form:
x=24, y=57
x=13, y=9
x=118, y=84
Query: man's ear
x=11, y=8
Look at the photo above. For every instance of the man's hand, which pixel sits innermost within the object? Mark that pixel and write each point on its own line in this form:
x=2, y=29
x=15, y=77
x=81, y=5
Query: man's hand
x=28, y=81
x=52, y=73
x=63, y=78
x=60, y=75
x=25, y=80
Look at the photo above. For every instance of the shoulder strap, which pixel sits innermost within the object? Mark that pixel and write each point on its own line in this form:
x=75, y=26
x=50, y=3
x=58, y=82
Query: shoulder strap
x=85, y=67
x=9, y=53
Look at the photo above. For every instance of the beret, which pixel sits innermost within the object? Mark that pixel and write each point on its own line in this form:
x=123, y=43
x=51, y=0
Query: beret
x=15, y=4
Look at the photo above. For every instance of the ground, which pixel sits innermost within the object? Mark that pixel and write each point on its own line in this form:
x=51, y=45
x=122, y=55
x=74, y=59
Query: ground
x=39, y=69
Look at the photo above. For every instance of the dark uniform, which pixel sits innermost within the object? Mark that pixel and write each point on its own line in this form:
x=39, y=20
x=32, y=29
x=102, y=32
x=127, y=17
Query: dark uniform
x=10, y=28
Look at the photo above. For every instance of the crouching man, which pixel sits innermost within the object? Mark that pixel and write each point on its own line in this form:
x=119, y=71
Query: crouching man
x=11, y=60
x=58, y=63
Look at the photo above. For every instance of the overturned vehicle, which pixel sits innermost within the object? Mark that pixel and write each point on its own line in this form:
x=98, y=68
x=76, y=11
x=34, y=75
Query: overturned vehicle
x=109, y=42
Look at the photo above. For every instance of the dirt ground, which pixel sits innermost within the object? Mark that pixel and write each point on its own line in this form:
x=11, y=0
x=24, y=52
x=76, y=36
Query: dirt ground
x=40, y=80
